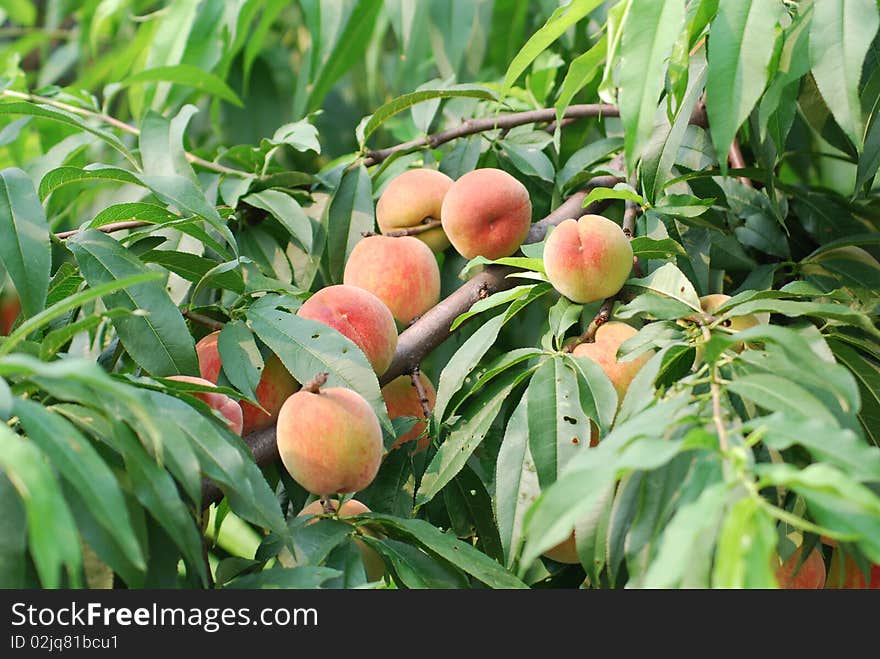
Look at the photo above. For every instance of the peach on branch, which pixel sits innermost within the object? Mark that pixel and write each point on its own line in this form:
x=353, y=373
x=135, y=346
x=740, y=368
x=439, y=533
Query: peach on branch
x=487, y=212
x=360, y=316
x=401, y=271
x=796, y=574
x=275, y=385
x=374, y=566
x=412, y=200
x=402, y=399
x=216, y=401
x=603, y=350
x=710, y=304
x=330, y=440
x=588, y=259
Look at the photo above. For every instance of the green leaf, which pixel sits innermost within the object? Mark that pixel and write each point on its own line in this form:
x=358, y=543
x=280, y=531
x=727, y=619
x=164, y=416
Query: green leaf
x=774, y=393
x=448, y=547
x=746, y=546
x=241, y=358
x=668, y=281
x=581, y=72
x=159, y=341
x=834, y=500
x=307, y=347
x=195, y=268
x=13, y=537
x=188, y=76
x=301, y=577
x=648, y=248
x=413, y=568
x=161, y=143
x=495, y=300
x=740, y=49
x=287, y=211
x=619, y=191
x=867, y=374
x=65, y=175
x=69, y=119
x=840, y=36
x=558, y=23
x=406, y=101
x=25, y=251
x=467, y=496
x=528, y=159
x=76, y=460
x=349, y=215
x=52, y=536
x=650, y=30
x=467, y=435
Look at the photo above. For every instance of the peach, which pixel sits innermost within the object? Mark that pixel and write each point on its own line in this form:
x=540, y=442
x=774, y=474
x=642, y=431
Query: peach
x=329, y=440
x=402, y=399
x=359, y=315
x=810, y=574
x=608, y=339
x=710, y=303
x=373, y=563
x=402, y=272
x=845, y=573
x=10, y=308
x=487, y=212
x=275, y=385
x=220, y=402
x=412, y=199
x=564, y=552
x=588, y=259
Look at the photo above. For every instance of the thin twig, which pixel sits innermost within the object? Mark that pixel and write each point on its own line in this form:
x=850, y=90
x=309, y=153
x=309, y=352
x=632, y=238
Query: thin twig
x=415, y=375
x=598, y=320
x=715, y=389
x=630, y=213
x=208, y=322
x=121, y=125
x=736, y=160
x=502, y=122
x=107, y=228
x=426, y=225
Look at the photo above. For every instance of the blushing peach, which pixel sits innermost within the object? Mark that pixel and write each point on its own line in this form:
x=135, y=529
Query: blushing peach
x=374, y=566
x=487, y=212
x=221, y=402
x=808, y=575
x=275, y=385
x=608, y=339
x=402, y=399
x=330, y=441
x=10, y=308
x=359, y=315
x=402, y=272
x=588, y=259
x=411, y=199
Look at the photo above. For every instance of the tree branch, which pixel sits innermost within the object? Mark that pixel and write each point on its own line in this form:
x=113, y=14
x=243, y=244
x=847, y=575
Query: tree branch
x=107, y=228
x=502, y=121
x=736, y=160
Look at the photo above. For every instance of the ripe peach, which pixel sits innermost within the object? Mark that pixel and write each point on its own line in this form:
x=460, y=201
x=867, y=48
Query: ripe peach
x=402, y=272
x=564, y=552
x=373, y=563
x=275, y=385
x=845, y=573
x=402, y=399
x=809, y=575
x=359, y=315
x=10, y=308
x=411, y=199
x=487, y=212
x=609, y=337
x=588, y=259
x=330, y=440
x=220, y=402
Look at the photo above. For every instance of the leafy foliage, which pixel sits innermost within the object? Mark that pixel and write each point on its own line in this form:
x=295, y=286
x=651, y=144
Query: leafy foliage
x=169, y=168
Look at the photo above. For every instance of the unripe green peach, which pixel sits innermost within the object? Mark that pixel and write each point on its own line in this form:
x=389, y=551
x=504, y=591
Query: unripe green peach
x=329, y=440
x=810, y=574
x=221, y=402
x=374, y=566
x=487, y=212
x=275, y=385
x=411, y=199
x=402, y=272
x=588, y=259
x=402, y=399
x=359, y=315
x=608, y=339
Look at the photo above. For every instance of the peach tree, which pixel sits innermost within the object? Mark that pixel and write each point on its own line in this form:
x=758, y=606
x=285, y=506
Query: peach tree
x=440, y=294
